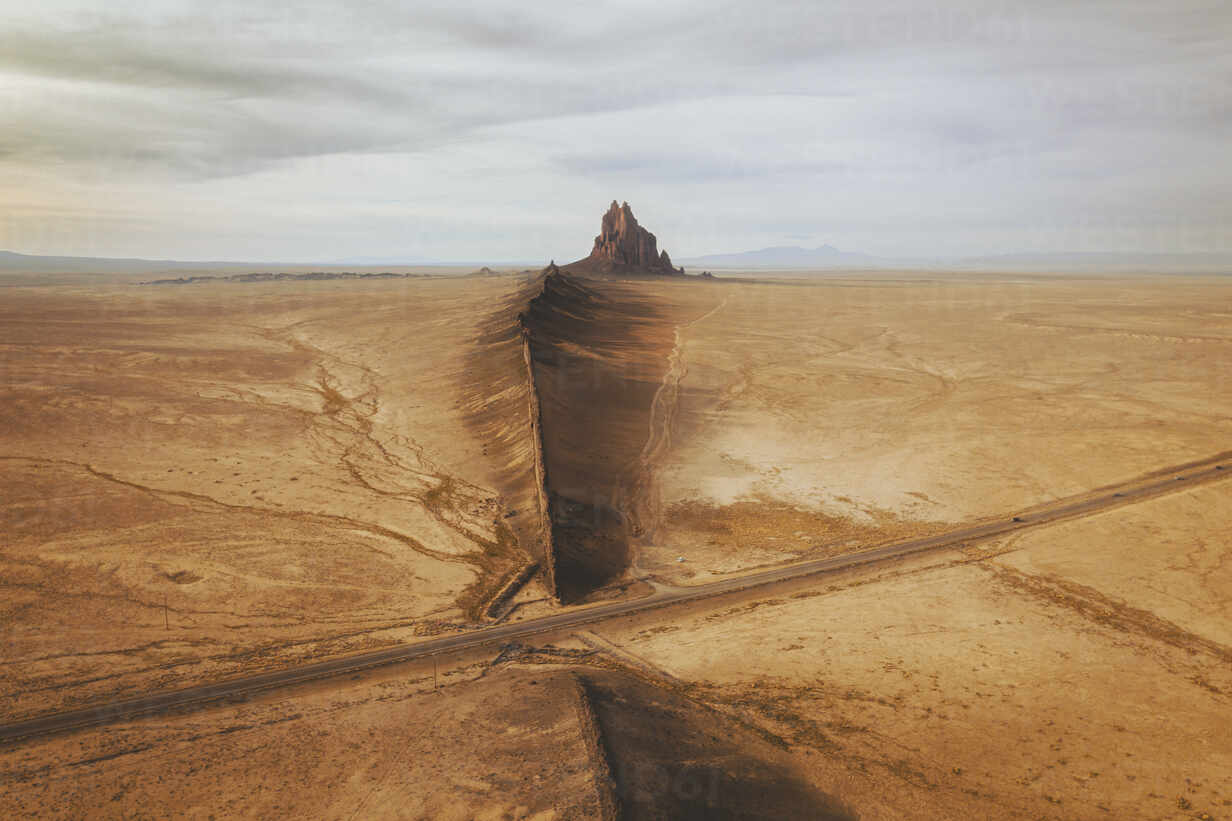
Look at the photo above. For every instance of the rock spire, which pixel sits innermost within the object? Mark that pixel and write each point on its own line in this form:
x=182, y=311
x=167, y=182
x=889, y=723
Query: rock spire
x=623, y=245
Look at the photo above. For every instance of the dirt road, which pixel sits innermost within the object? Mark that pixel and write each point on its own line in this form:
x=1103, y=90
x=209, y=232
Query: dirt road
x=1156, y=484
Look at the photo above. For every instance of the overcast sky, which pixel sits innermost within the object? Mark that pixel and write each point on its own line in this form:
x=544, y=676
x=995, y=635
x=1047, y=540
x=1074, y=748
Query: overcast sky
x=494, y=131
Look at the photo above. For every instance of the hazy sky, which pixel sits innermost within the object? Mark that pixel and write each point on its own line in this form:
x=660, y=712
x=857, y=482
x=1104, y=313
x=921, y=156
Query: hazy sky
x=487, y=130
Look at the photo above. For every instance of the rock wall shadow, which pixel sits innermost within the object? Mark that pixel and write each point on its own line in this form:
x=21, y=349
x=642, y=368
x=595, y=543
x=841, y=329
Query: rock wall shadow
x=672, y=758
x=599, y=350
x=496, y=397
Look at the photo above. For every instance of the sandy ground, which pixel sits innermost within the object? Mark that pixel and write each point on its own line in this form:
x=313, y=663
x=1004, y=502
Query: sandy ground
x=968, y=687
x=506, y=747
x=204, y=480
x=815, y=416
x=957, y=685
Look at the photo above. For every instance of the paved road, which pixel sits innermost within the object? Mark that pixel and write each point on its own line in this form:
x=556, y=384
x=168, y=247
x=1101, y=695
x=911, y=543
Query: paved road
x=238, y=689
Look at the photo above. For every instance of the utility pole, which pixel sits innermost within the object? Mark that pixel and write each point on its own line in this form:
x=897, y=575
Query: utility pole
x=166, y=618
x=434, y=672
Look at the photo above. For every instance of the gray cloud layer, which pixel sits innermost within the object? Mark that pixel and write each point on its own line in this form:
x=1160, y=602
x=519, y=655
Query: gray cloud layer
x=485, y=129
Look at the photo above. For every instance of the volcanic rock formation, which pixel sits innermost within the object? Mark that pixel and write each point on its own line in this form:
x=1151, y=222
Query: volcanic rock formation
x=624, y=247
x=565, y=384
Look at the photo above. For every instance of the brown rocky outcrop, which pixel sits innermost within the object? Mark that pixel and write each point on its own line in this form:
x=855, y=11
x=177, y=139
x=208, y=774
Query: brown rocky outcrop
x=624, y=247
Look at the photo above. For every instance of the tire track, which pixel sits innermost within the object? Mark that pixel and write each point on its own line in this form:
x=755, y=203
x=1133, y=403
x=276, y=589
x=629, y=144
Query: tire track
x=643, y=506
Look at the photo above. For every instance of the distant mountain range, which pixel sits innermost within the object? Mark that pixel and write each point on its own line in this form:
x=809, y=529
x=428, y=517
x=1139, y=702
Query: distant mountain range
x=11, y=261
x=370, y=261
x=787, y=256
x=53, y=268
x=33, y=268
x=824, y=257
x=31, y=263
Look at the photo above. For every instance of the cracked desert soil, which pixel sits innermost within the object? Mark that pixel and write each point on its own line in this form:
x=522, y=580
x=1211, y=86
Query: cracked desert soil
x=204, y=480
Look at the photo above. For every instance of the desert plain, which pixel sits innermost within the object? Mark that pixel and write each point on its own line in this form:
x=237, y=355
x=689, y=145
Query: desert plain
x=207, y=480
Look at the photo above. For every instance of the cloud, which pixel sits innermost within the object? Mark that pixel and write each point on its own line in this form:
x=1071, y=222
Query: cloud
x=890, y=123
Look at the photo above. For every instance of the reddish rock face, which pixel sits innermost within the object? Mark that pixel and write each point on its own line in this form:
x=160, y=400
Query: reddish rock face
x=624, y=244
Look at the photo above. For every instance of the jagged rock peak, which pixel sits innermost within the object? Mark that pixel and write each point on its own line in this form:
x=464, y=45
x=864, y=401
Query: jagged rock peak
x=624, y=243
